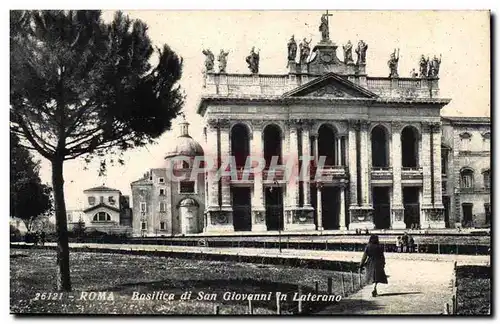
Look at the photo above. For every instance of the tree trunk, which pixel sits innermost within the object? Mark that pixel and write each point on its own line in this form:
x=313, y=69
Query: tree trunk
x=63, y=276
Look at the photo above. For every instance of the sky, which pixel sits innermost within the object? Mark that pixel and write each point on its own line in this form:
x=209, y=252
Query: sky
x=461, y=37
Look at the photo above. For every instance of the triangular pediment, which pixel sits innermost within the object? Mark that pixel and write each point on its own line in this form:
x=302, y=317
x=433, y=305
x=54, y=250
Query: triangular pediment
x=330, y=85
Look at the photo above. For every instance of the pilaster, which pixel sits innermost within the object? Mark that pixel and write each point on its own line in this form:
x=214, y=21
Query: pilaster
x=397, y=190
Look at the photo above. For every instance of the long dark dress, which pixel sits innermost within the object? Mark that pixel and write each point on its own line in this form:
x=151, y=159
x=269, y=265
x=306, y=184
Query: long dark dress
x=374, y=260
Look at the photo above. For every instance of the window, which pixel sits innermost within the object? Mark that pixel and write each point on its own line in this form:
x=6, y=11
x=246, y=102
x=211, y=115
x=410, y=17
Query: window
x=467, y=178
x=444, y=160
x=185, y=164
x=101, y=199
x=162, y=192
x=486, y=142
x=143, y=207
x=161, y=180
x=487, y=213
x=70, y=218
x=91, y=200
x=465, y=139
x=162, y=226
x=186, y=187
x=102, y=217
x=162, y=206
x=143, y=225
x=111, y=200
x=486, y=179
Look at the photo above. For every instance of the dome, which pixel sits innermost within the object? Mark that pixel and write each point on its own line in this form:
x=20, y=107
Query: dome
x=185, y=145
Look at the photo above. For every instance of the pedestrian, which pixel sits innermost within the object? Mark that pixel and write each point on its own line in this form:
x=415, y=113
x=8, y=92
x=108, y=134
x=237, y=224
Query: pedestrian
x=404, y=244
x=42, y=238
x=399, y=244
x=411, y=244
x=374, y=260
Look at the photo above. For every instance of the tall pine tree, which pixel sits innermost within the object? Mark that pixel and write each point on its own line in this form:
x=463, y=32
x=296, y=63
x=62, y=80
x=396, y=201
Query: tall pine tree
x=81, y=87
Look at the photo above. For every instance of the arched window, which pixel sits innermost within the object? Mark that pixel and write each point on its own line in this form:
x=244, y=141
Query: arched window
x=272, y=144
x=465, y=139
x=380, y=152
x=487, y=179
x=466, y=178
x=102, y=217
x=486, y=141
x=240, y=144
x=326, y=144
x=409, y=147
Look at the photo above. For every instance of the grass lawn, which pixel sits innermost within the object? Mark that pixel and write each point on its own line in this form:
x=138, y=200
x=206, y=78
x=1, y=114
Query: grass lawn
x=474, y=289
x=33, y=271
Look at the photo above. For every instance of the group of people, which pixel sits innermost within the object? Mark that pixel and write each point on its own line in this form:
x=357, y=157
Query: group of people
x=405, y=243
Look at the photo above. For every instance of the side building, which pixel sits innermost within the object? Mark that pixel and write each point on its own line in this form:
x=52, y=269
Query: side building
x=166, y=205
x=466, y=151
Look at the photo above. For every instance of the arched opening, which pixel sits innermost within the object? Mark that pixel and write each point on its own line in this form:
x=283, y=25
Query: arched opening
x=409, y=147
x=326, y=144
x=240, y=144
x=102, y=217
x=380, y=147
x=272, y=144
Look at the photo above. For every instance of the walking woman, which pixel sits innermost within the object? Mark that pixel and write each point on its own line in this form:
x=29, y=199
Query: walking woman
x=374, y=260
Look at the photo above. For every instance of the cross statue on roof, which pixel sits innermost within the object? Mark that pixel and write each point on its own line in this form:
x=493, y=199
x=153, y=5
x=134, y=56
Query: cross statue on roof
x=324, y=27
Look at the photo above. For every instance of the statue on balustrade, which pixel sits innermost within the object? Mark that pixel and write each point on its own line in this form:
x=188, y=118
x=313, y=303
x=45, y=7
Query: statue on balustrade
x=304, y=50
x=222, y=58
x=361, y=52
x=423, y=66
x=348, y=53
x=253, y=61
x=434, y=66
x=292, y=49
x=209, y=60
x=393, y=64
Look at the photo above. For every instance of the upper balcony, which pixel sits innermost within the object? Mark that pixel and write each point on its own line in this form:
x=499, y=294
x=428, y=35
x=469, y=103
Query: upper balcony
x=411, y=173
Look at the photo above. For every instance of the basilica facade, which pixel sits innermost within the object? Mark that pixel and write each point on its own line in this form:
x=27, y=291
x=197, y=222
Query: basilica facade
x=380, y=138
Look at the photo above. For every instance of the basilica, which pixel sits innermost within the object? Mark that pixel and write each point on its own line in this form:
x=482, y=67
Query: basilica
x=388, y=157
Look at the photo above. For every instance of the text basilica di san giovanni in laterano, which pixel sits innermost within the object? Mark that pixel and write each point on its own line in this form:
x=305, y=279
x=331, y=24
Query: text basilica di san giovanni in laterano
x=385, y=156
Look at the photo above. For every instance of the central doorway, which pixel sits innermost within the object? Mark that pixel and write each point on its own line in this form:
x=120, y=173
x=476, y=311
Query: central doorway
x=330, y=207
x=411, y=204
x=274, y=208
x=242, y=210
x=381, y=207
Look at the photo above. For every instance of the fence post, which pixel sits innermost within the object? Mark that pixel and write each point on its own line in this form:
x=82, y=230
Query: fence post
x=453, y=304
x=250, y=307
x=455, y=300
x=300, y=300
x=343, y=284
x=316, y=286
x=352, y=282
x=359, y=278
x=278, y=304
x=329, y=286
x=439, y=248
x=216, y=309
x=446, y=309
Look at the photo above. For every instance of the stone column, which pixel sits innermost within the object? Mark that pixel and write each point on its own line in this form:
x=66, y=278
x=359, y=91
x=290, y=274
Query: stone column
x=293, y=156
x=258, y=208
x=319, y=209
x=426, y=203
x=365, y=167
x=225, y=147
x=352, y=164
x=339, y=150
x=218, y=219
x=438, y=181
x=342, y=226
x=306, y=149
x=397, y=190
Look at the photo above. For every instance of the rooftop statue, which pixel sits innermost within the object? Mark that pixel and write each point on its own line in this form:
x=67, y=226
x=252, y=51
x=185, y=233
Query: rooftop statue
x=253, y=61
x=324, y=27
x=423, y=65
x=222, y=58
x=434, y=66
x=304, y=50
x=393, y=64
x=348, y=53
x=292, y=49
x=209, y=60
x=361, y=52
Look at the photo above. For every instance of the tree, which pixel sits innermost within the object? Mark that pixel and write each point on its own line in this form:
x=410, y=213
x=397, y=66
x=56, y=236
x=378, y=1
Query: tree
x=82, y=87
x=29, y=197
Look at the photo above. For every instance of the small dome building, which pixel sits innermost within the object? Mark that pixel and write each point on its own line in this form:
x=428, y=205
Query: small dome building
x=169, y=200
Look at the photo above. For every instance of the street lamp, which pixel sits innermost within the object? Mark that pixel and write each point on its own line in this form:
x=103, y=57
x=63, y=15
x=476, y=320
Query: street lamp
x=279, y=216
